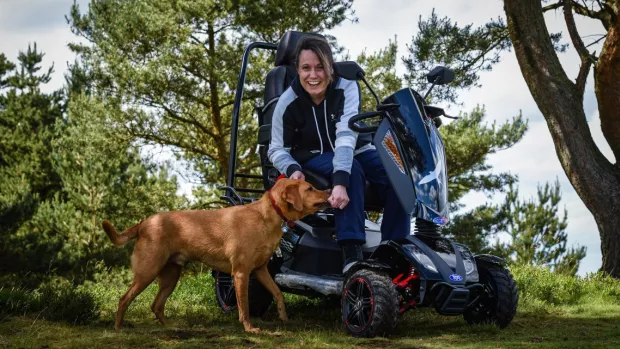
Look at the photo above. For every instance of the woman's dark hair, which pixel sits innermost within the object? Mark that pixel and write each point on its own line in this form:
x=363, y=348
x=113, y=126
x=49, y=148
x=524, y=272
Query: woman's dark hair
x=321, y=48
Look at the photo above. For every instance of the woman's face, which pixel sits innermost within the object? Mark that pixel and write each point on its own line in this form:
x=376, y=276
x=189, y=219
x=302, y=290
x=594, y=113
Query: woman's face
x=312, y=74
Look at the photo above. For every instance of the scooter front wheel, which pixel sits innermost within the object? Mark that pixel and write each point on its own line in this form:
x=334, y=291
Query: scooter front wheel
x=369, y=304
x=499, y=300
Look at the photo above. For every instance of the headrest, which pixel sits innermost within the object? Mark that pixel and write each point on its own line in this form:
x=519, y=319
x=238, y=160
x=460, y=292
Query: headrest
x=288, y=43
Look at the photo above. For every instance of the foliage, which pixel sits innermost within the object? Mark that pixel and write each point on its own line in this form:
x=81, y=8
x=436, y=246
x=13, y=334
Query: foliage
x=27, y=128
x=380, y=69
x=64, y=171
x=54, y=301
x=466, y=49
x=173, y=68
x=468, y=142
x=537, y=234
x=27, y=119
x=542, y=284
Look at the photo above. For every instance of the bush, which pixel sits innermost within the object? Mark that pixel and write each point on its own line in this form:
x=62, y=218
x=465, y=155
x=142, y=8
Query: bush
x=58, y=300
x=540, y=284
x=68, y=303
x=16, y=301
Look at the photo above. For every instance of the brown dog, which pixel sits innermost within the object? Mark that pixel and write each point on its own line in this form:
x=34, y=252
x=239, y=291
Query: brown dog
x=237, y=240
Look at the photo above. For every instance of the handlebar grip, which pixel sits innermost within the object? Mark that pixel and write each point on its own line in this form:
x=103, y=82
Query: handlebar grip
x=362, y=116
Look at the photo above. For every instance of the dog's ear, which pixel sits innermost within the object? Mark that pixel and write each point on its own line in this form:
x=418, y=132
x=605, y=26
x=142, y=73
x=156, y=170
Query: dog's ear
x=291, y=195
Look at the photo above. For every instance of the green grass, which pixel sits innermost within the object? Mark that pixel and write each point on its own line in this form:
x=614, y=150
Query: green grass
x=554, y=312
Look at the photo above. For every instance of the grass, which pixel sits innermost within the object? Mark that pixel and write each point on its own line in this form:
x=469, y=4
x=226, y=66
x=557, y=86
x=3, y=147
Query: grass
x=554, y=312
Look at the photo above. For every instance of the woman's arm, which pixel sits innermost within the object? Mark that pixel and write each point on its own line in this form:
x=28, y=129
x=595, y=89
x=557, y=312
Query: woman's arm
x=345, y=137
x=283, y=137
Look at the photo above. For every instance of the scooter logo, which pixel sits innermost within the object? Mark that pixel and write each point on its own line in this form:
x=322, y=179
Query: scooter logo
x=456, y=277
x=440, y=220
x=391, y=148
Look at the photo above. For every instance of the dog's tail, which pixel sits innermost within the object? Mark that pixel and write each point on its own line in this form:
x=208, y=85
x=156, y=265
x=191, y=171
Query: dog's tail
x=122, y=238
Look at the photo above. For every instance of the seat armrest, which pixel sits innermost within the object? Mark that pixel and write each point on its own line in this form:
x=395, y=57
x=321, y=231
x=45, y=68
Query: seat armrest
x=318, y=180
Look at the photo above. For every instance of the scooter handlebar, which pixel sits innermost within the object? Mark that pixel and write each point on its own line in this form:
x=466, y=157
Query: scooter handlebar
x=363, y=116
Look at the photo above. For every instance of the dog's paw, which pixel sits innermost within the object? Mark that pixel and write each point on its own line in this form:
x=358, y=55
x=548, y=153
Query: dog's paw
x=254, y=330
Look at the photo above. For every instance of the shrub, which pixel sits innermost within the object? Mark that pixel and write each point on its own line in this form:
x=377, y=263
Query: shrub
x=16, y=301
x=58, y=300
x=539, y=283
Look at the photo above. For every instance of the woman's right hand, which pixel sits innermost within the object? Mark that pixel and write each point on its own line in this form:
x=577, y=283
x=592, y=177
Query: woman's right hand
x=298, y=175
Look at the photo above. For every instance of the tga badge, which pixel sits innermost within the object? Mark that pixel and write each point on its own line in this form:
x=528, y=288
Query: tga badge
x=440, y=220
x=456, y=277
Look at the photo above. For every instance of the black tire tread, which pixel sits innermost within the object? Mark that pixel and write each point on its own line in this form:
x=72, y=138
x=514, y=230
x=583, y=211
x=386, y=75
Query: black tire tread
x=259, y=298
x=507, y=297
x=385, y=313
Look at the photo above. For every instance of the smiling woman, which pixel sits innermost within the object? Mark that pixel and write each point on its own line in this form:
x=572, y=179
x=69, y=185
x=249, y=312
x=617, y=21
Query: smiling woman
x=315, y=68
x=310, y=128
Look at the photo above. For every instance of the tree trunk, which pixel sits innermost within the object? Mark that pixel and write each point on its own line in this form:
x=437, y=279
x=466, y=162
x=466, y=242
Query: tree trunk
x=216, y=111
x=595, y=179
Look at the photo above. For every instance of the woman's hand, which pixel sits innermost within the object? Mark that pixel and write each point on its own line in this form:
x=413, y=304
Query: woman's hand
x=298, y=175
x=339, y=198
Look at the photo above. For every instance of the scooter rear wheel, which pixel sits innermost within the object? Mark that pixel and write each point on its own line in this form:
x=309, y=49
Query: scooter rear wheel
x=369, y=304
x=259, y=298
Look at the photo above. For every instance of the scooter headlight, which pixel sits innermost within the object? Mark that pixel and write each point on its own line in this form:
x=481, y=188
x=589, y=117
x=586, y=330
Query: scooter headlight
x=468, y=261
x=421, y=257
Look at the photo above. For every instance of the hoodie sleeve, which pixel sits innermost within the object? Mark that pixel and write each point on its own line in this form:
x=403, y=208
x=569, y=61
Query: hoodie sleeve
x=345, y=137
x=282, y=137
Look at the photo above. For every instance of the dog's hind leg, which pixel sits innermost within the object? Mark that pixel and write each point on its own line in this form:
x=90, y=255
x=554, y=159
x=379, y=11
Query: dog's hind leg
x=168, y=278
x=137, y=286
x=263, y=276
x=146, y=265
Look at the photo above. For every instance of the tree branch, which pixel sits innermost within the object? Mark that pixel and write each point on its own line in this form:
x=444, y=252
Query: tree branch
x=597, y=40
x=605, y=14
x=555, y=6
x=160, y=140
x=584, y=54
x=175, y=116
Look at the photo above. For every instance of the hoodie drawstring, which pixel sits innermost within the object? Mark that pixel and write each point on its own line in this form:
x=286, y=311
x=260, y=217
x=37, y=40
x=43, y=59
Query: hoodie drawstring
x=327, y=127
x=317, y=129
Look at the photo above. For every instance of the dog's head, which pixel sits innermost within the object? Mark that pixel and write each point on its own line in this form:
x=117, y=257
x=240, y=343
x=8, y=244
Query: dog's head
x=298, y=198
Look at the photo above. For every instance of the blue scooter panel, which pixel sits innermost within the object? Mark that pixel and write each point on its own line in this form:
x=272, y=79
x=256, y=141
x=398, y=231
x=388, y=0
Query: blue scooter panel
x=389, y=150
x=423, y=157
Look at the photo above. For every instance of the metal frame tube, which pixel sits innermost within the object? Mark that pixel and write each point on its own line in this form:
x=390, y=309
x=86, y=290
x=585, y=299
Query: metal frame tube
x=232, y=160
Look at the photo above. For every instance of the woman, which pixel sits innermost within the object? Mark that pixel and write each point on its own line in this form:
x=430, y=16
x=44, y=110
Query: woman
x=310, y=126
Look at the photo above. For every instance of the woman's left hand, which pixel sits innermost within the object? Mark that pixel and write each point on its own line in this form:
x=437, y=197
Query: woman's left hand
x=339, y=198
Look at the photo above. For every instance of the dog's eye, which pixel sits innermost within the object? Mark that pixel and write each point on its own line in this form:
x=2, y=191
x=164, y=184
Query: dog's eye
x=309, y=189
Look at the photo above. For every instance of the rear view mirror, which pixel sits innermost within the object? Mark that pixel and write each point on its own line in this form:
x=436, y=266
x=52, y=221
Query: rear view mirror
x=440, y=75
x=349, y=70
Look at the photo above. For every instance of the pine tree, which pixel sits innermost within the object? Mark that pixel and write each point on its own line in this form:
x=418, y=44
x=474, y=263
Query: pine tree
x=63, y=171
x=27, y=119
x=173, y=68
x=537, y=233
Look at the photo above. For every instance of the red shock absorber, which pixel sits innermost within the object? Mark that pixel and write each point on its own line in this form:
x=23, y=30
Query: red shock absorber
x=412, y=275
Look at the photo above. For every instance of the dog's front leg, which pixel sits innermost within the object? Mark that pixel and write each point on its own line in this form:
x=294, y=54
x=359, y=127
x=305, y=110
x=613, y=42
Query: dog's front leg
x=242, y=281
x=263, y=276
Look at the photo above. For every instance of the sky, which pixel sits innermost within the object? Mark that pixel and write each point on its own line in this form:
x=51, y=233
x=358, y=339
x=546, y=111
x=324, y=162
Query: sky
x=503, y=93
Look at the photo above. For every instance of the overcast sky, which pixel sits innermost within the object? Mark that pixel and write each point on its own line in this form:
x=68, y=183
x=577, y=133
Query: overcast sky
x=503, y=92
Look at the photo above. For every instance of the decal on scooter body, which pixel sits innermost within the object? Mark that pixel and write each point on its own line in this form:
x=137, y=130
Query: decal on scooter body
x=400, y=180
